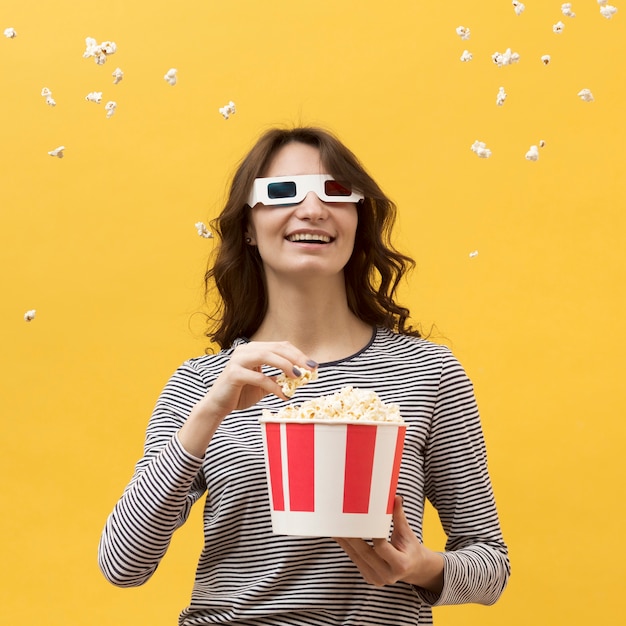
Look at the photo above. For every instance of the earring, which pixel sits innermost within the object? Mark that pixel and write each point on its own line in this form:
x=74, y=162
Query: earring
x=248, y=239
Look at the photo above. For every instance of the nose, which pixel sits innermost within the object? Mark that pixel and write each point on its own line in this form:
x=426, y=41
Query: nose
x=312, y=208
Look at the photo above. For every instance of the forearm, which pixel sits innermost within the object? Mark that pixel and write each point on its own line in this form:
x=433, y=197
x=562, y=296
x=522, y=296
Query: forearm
x=138, y=531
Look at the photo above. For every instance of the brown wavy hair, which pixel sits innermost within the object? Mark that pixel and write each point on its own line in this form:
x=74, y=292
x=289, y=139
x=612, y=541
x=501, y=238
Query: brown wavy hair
x=372, y=274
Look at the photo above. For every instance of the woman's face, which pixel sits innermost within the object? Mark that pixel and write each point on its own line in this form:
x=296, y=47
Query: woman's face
x=278, y=231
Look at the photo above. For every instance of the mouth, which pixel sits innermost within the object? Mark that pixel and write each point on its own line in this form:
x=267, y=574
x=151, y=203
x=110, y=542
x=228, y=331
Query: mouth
x=315, y=238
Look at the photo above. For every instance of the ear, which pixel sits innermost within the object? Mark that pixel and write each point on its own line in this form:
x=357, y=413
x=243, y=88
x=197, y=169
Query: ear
x=249, y=238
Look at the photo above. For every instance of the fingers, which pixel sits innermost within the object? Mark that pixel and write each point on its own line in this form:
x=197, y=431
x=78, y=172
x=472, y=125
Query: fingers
x=281, y=355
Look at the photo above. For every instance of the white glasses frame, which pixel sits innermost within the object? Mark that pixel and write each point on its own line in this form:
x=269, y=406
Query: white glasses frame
x=303, y=185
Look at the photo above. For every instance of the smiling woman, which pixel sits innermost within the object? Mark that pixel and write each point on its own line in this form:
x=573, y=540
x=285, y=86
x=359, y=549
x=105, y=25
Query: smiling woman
x=307, y=278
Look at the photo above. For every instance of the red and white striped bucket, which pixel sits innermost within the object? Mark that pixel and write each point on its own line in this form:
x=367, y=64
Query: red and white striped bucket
x=332, y=479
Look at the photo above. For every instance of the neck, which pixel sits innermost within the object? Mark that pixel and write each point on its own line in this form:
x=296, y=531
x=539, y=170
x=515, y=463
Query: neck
x=314, y=316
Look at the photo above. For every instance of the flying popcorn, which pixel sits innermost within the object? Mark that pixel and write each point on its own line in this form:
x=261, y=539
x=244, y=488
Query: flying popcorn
x=481, y=150
x=94, y=96
x=518, y=7
x=203, y=231
x=566, y=9
x=545, y=59
x=501, y=97
x=171, y=77
x=47, y=94
x=586, y=95
x=532, y=154
x=505, y=58
x=558, y=28
x=29, y=316
x=117, y=75
x=607, y=10
x=466, y=56
x=99, y=51
x=228, y=110
x=463, y=32
x=473, y=254
x=542, y=143
x=110, y=107
x=10, y=33
x=57, y=152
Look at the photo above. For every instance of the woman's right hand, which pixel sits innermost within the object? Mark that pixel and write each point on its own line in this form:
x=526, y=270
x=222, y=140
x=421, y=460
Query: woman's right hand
x=240, y=385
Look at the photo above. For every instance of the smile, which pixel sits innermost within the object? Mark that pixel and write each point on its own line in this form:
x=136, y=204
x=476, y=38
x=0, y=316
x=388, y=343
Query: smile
x=309, y=238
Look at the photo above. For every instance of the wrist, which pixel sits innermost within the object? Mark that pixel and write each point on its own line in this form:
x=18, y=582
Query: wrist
x=429, y=574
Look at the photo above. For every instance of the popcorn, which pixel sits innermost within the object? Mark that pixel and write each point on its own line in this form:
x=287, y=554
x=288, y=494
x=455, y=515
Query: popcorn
x=57, y=152
x=542, y=143
x=289, y=385
x=170, y=77
x=505, y=58
x=586, y=95
x=501, y=97
x=94, y=96
x=566, y=9
x=10, y=33
x=463, y=32
x=607, y=10
x=110, y=107
x=473, y=254
x=203, y=231
x=466, y=56
x=518, y=7
x=545, y=59
x=47, y=94
x=29, y=316
x=558, y=27
x=532, y=154
x=480, y=148
x=228, y=110
x=350, y=404
x=100, y=51
x=117, y=75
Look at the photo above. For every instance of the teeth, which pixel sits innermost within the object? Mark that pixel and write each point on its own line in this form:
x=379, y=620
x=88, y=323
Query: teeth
x=309, y=237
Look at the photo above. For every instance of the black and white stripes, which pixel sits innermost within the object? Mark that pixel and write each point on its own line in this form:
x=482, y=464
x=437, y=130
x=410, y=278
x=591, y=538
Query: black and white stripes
x=248, y=576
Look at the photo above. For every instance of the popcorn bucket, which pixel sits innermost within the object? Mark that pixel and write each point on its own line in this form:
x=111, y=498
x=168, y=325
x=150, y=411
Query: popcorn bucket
x=332, y=478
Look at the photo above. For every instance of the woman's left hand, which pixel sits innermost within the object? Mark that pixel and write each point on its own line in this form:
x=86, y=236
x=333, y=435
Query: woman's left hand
x=403, y=557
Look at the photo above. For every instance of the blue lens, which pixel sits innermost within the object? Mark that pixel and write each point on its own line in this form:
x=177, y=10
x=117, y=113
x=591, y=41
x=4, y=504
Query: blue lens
x=285, y=189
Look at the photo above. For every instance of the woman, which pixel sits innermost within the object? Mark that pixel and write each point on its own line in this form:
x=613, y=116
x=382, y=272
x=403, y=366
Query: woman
x=306, y=275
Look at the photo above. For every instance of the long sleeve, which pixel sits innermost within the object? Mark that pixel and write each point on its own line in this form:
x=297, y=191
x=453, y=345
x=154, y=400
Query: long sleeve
x=476, y=563
x=166, y=483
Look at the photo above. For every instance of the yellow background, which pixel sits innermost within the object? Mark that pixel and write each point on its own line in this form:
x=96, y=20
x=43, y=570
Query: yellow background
x=102, y=244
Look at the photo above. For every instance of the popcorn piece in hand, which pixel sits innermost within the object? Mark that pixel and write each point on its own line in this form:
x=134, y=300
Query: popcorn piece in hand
x=545, y=59
x=566, y=9
x=289, y=385
x=171, y=76
x=463, y=32
x=501, y=97
x=505, y=58
x=586, y=95
x=117, y=75
x=99, y=51
x=608, y=11
x=57, y=152
x=10, y=33
x=532, y=154
x=228, y=110
x=466, y=56
x=110, y=107
x=518, y=7
x=29, y=316
x=480, y=148
x=558, y=28
x=203, y=231
x=94, y=96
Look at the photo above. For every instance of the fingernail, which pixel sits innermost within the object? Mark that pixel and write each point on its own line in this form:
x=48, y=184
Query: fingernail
x=311, y=363
x=296, y=371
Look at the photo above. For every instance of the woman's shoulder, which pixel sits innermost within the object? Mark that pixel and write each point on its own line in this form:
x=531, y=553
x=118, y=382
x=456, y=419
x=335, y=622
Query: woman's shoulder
x=390, y=340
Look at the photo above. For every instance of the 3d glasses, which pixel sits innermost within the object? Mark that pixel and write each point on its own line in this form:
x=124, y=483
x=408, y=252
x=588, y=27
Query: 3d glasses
x=285, y=190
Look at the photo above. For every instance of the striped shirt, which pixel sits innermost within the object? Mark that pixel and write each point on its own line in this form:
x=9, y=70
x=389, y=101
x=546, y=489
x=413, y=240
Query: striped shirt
x=248, y=576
